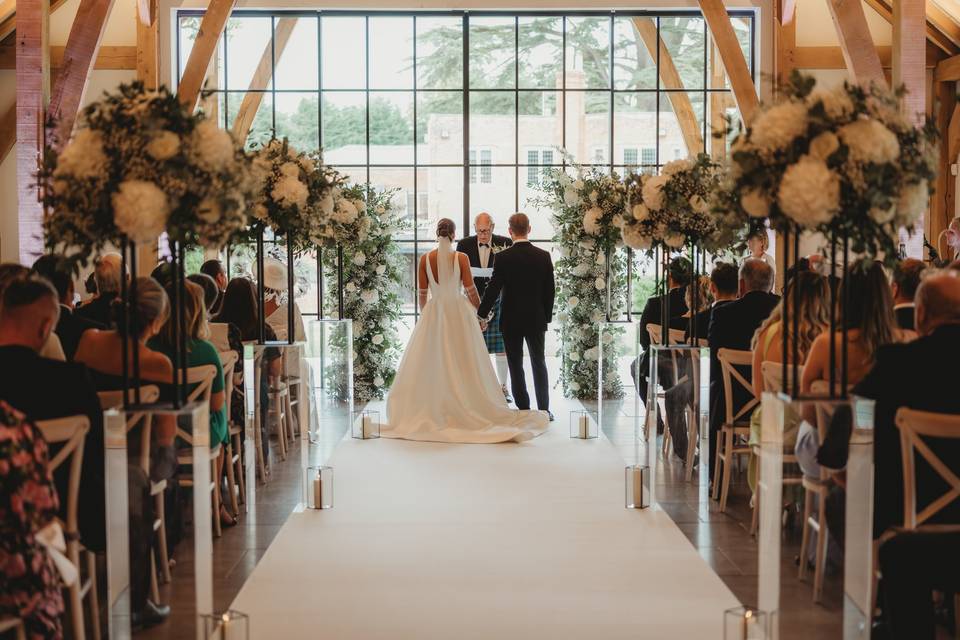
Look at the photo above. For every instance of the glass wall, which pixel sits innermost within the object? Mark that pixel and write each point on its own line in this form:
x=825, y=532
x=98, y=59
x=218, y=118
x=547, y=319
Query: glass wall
x=464, y=113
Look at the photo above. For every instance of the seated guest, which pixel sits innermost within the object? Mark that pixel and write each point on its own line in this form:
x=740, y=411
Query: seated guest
x=108, y=273
x=30, y=585
x=732, y=326
x=214, y=269
x=906, y=279
x=163, y=274
x=200, y=351
x=9, y=272
x=913, y=565
x=704, y=303
x=211, y=293
x=70, y=326
x=724, y=281
x=758, y=242
x=276, y=306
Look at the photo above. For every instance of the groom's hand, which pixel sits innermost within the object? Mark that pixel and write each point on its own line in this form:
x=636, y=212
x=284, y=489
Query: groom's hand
x=483, y=324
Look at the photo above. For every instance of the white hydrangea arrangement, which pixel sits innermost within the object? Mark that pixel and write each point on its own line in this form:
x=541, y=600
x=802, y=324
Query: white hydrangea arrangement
x=141, y=165
x=588, y=211
x=373, y=271
x=842, y=162
x=296, y=193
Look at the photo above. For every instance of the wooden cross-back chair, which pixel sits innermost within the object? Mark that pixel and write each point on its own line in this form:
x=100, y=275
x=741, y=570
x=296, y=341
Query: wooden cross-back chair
x=71, y=431
x=201, y=376
x=736, y=424
x=233, y=460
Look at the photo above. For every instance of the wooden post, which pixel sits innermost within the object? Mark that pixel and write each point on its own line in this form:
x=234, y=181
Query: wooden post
x=786, y=43
x=148, y=72
x=943, y=203
x=744, y=89
x=33, y=95
x=909, y=56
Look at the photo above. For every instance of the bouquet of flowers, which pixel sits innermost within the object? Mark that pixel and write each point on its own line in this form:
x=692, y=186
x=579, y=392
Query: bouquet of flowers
x=588, y=212
x=141, y=165
x=295, y=191
x=343, y=217
x=843, y=162
x=640, y=227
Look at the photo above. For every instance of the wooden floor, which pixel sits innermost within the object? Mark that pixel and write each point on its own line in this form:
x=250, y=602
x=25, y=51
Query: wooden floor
x=722, y=539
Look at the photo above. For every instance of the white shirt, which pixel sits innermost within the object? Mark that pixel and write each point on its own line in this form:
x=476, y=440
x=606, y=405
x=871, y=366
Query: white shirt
x=484, y=255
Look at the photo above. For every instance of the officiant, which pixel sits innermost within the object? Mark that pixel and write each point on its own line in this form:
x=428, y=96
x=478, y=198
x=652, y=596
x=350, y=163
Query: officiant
x=482, y=249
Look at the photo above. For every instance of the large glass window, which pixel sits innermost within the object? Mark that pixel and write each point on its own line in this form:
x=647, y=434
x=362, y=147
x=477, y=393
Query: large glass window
x=463, y=113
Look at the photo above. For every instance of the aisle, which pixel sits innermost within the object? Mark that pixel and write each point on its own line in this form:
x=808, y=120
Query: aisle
x=482, y=541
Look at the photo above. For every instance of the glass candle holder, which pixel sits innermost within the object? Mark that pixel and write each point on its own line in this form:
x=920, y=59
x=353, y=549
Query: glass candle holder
x=366, y=425
x=229, y=625
x=637, y=487
x=745, y=623
x=319, y=487
x=582, y=425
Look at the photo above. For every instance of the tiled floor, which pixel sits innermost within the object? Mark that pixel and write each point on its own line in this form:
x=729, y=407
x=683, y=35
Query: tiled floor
x=722, y=539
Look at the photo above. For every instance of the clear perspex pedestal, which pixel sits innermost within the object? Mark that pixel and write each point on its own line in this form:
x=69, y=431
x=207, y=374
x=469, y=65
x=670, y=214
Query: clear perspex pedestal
x=128, y=454
x=678, y=382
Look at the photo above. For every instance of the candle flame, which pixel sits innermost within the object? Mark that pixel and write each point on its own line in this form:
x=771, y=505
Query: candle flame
x=226, y=617
x=748, y=614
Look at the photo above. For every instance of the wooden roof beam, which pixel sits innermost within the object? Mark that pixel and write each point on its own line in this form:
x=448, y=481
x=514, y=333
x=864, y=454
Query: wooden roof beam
x=725, y=39
x=211, y=28
x=8, y=131
x=941, y=30
x=261, y=78
x=859, y=53
x=909, y=57
x=646, y=28
x=109, y=58
x=8, y=24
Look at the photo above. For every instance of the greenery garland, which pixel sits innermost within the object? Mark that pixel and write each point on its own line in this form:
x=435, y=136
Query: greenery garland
x=372, y=276
x=587, y=216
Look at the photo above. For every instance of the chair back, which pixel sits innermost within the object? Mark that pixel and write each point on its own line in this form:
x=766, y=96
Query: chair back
x=772, y=373
x=71, y=431
x=729, y=359
x=655, y=332
x=148, y=393
x=914, y=426
x=229, y=361
x=220, y=335
x=114, y=399
x=202, y=376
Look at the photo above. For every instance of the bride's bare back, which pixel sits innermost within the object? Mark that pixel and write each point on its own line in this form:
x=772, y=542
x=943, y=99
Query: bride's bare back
x=466, y=277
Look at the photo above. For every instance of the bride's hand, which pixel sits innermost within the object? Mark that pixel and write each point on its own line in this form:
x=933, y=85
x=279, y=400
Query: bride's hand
x=483, y=325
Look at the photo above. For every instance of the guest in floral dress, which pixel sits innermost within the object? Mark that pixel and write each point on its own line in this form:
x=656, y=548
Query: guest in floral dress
x=29, y=581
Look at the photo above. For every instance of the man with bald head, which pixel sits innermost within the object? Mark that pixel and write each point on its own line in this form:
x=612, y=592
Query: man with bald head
x=482, y=249
x=920, y=375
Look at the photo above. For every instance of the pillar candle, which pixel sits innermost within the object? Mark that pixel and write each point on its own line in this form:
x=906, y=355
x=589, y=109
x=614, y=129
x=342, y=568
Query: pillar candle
x=317, y=493
x=367, y=426
x=584, y=426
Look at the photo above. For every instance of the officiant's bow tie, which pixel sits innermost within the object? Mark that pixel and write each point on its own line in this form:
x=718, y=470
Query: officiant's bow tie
x=484, y=244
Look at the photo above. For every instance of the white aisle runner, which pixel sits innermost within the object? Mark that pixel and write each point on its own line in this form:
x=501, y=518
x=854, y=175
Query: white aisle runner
x=482, y=541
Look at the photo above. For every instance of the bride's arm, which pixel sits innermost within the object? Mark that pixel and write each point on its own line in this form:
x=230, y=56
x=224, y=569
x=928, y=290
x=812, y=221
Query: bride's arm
x=423, y=285
x=466, y=278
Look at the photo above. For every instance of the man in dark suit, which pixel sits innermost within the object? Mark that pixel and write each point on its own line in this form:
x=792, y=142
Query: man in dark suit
x=45, y=389
x=524, y=273
x=107, y=272
x=70, y=326
x=214, y=269
x=732, y=326
x=724, y=285
x=482, y=250
x=906, y=279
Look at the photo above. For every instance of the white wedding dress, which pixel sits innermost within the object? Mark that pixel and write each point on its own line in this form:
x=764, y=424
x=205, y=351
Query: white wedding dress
x=446, y=389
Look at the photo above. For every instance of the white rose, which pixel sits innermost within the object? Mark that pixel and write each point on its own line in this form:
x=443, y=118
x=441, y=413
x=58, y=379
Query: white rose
x=591, y=220
x=607, y=338
x=601, y=258
x=653, y=192
x=755, y=203
x=574, y=386
x=378, y=381
x=882, y=216
x=377, y=339
x=640, y=212
x=618, y=221
x=635, y=239
x=836, y=102
x=870, y=141
x=370, y=297
x=140, y=210
x=345, y=212
x=574, y=356
x=381, y=269
x=307, y=164
x=164, y=145
x=359, y=205
x=213, y=148
x=777, y=127
x=676, y=166
x=674, y=240
x=326, y=204
x=823, y=146
x=582, y=269
x=290, y=169
x=809, y=192
x=912, y=203
x=350, y=287
x=600, y=283
x=578, y=184
x=593, y=353
x=360, y=259
x=83, y=157
x=573, y=301
x=698, y=204
x=210, y=210
x=570, y=197
x=288, y=191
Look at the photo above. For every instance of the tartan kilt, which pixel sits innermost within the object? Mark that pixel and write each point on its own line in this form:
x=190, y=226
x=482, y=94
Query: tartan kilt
x=492, y=336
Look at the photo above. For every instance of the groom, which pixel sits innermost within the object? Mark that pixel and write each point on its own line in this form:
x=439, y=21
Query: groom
x=525, y=275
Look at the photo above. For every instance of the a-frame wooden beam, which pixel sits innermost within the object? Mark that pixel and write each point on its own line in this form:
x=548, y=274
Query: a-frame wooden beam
x=8, y=24
x=646, y=28
x=859, y=53
x=211, y=28
x=744, y=89
x=78, y=60
x=261, y=78
x=8, y=131
x=788, y=11
x=909, y=56
x=33, y=94
x=941, y=30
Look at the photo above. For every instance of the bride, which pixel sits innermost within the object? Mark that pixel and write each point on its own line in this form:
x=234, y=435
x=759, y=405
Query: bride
x=446, y=389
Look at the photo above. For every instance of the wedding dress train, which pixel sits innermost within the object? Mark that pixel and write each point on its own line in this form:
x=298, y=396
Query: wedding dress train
x=446, y=389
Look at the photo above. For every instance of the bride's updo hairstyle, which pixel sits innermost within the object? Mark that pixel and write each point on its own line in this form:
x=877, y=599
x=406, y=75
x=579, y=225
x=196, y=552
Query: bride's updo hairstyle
x=446, y=228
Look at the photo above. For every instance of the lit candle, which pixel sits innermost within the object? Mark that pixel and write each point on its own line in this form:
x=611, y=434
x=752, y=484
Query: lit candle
x=317, y=492
x=367, y=426
x=745, y=622
x=225, y=626
x=584, y=425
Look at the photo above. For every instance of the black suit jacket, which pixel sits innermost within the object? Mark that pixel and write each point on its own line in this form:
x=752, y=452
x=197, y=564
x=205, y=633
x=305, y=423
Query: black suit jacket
x=524, y=273
x=905, y=318
x=70, y=328
x=702, y=320
x=471, y=247
x=653, y=311
x=906, y=375
x=99, y=309
x=732, y=326
x=44, y=389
